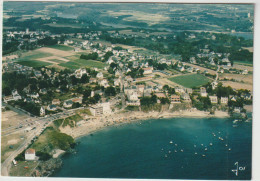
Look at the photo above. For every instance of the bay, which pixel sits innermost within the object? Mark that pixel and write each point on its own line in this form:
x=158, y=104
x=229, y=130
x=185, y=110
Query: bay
x=164, y=149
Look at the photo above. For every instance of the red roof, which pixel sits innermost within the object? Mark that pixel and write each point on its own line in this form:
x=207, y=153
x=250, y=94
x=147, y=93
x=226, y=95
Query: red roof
x=30, y=151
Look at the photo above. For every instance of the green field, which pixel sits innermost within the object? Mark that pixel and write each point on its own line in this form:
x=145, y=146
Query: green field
x=34, y=55
x=62, y=47
x=33, y=63
x=79, y=63
x=190, y=81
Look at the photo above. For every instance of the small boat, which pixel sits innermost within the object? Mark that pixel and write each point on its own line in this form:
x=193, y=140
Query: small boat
x=203, y=155
x=176, y=145
x=175, y=151
x=171, y=142
x=169, y=151
x=162, y=149
x=181, y=150
x=210, y=144
x=226, y=145
x=229, y=149
x=196, y=153
x=201, y=144
x=195, y=146
x=165, y=156
x=206, y=149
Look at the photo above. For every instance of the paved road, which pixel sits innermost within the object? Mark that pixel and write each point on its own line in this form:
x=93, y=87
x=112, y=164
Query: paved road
x=43, y=123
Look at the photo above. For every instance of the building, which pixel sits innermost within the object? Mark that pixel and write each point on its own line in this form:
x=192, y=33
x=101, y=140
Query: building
x=224, y=100
x=68, y=104
x=100, y=109
x=52, y=108
x=42, y=111
x=100, y=75
x=203, y=92
x=185, y=97
x=30, y=154
x=175, y=99
x=213, y=99
x=160, y=95
x=55, y=102
x=80, y=72
x=148, y=70
x=133, y=99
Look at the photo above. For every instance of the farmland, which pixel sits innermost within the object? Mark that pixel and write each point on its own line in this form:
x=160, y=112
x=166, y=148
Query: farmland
x=62, y=47
x=33, y=63
x=191, y=80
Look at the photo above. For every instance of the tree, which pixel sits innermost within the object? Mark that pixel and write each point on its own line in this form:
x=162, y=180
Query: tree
x=110, y=91
x=84, y=79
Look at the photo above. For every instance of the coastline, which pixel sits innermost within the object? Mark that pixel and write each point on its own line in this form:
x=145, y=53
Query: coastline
x=94, y=124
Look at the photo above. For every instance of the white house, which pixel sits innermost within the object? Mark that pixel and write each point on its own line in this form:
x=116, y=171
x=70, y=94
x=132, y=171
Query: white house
x=80, y=72
x=224, y=100
x=100, y=75
x=203, y=92
x=30, y=154
x=42, y=111
x=213, y=99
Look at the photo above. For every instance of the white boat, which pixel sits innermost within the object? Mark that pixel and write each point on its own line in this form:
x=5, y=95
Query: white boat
x=175, y=151
x=181, y=150
x=171, y=142
x=206, y=149
x=196, y=153
x=201, y=144
x=226, y=145
x=169, y=151
x=229, y=149
x=210, y=144
x=203, y=155
x=176, y=145
x=165, y=156
x=195, y=146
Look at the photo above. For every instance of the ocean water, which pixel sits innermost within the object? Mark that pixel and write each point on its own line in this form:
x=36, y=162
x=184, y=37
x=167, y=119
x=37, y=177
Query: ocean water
x=146, y=149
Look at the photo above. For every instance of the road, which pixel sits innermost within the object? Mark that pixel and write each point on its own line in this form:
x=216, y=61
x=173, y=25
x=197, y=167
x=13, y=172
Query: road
x=43, y=123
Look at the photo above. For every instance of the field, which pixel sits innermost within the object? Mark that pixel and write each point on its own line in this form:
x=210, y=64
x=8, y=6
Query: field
x=33, y=63
x=75, y=64
x=23, y=168
x=62, y=47
x=189, y=81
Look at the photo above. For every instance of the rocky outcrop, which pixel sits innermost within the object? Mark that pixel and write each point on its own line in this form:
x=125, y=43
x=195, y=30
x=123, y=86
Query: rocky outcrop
x=46, y=168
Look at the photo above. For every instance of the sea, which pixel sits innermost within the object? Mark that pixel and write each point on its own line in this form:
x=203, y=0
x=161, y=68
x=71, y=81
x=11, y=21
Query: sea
x=174, y=148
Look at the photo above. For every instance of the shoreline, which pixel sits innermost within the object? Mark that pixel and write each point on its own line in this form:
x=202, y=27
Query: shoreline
x=94, y=124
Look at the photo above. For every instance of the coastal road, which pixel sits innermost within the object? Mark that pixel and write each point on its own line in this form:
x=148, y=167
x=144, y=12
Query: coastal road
x=6, y=165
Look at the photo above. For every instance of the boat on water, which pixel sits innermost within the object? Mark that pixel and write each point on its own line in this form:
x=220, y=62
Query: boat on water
x=203, y=155
x=220, y=138
x=181, y=150
x=195, y=146
x=206, y=149
x=201, y=144
x=210, y=144
x=226, y=145
x=176, y=145
x=169, y=151
x=229, y=149
x=171, y=142
x=196, y=153
x=165, y=156
x=175, y=151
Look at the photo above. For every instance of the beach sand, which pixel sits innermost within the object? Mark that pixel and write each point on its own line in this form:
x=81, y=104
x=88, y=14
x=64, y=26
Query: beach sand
x=97, y=123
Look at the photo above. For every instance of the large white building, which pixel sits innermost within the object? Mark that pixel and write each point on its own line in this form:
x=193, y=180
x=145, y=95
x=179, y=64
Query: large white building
x=30, y=154
x=100, y=109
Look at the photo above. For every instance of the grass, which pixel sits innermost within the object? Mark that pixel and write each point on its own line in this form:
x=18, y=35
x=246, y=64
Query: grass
x=32, y=55
x=90, y=63
x=33, y=63
x=190, y=81
x=244, y=63
x=19, y=170
x=56, y=61
x=62, y=47
x=70, y=65
x=80, y=63
x=52, y=139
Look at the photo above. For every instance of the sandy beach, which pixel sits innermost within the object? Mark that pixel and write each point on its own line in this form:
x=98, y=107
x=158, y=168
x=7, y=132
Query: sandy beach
x=93, y=124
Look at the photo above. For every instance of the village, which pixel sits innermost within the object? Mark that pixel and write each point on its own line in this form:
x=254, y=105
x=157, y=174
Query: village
x=75, y=81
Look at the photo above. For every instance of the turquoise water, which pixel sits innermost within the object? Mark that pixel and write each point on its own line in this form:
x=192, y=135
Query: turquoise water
x=141, y=150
